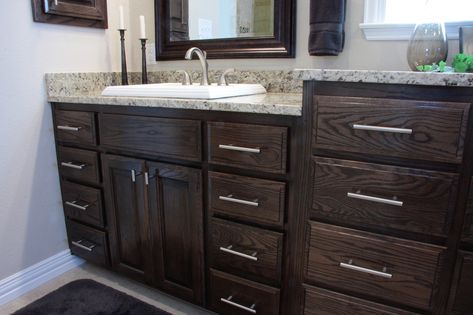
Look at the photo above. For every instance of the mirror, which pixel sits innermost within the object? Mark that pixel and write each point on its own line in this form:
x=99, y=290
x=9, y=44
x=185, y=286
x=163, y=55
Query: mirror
x=225, y=28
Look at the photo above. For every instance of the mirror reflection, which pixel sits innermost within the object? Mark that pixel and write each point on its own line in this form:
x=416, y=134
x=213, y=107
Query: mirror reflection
x=216, y=19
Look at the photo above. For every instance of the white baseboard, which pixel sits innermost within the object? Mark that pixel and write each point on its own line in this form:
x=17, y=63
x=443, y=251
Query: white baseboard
x=34, y=276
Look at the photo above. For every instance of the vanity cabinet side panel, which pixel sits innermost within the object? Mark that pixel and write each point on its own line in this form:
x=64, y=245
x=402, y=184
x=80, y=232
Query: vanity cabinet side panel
x=176, y=226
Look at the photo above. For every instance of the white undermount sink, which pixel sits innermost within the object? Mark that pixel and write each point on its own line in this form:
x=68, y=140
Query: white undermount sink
x=177, y=90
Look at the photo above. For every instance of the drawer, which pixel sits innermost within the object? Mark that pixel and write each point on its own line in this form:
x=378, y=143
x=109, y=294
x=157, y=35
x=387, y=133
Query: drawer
x=246, y=251
x=176, y=138
x=383, y=267
x=75, y=127
x=83, y=203
x=461, y=300
x=77, y=164
x=372, y=195
x=323, y=302
x=88, y=243
x=230, y=295
x=397, y=128
x=253, y=147
x=247, y=199
x=468, y=224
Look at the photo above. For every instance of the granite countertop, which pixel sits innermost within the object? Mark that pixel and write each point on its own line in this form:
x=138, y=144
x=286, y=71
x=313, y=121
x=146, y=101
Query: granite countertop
x=288, y=104
x=388, y=77
x=284, y=95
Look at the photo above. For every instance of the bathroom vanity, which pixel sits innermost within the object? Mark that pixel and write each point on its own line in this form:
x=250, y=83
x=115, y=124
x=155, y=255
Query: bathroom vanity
x=352, y=198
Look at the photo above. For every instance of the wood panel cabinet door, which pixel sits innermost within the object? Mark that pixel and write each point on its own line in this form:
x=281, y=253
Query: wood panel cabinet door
x=461, y=301
x=124, y=187
x=176, y=226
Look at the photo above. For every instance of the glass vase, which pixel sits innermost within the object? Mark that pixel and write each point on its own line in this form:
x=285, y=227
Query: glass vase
x=428, y=45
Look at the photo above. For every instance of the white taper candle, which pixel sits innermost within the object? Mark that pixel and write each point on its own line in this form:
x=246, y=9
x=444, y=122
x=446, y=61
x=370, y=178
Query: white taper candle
x=121, y=26
x=142, y=27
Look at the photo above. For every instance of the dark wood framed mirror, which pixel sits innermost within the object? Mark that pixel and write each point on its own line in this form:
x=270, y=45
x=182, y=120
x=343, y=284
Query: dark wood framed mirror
x=225, y=28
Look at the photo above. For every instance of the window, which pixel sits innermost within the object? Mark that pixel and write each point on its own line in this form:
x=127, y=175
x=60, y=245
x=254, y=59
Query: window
x=395, y=19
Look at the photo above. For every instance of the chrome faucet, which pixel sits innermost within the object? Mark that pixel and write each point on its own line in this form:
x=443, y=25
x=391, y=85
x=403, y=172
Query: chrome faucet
x=203, y=62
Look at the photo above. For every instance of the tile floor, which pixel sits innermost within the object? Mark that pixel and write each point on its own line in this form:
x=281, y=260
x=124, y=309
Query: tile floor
x=87, y=271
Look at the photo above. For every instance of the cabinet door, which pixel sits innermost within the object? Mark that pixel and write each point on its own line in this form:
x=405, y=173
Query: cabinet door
x=468, y=225
x=127, y=216
x=176, y=220
x=462, y=303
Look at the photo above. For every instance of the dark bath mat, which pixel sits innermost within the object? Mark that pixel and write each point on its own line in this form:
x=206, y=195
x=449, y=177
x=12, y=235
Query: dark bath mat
x=84, y=297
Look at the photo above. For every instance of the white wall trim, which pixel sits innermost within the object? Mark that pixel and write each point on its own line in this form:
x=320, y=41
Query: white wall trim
x=34, y=276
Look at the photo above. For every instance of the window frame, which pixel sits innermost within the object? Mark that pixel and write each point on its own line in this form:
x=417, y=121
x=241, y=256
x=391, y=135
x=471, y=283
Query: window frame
x=373, y=30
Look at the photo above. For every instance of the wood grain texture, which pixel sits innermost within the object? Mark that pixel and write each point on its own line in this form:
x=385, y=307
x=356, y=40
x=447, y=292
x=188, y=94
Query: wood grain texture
x=324, y=302
x=413, y=265
x=428, y=197
x=222, y=285
x=127, y=216
x=83, y=196
x=163, y=137
x=438, y=127
x=266, y=246
x=272, y=141
x=468, y=223
x=88, y=237
x=270, y=196
x=83, y=120
x=462, y=302
x=176, y=225
x=90, y=173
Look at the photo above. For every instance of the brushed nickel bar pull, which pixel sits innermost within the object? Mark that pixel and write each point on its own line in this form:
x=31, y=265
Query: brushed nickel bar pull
x=381, y=274
x=237, y=148
x=382, y=129
x=78, y=244
x=69, y=128
x=146, y=179
x=376, y=199
x=75, y=205
x=72, y=165
x=230, y=198
x=242, y=307
x=233, y=252
x=133, y=176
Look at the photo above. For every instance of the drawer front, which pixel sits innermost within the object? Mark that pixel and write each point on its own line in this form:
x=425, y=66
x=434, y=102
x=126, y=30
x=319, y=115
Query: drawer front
x=422, y=130
x=254, y=147
x=383, y=267
x=230, y=295
x=463, y=287
x=81, y=165
x=247, y=199
x=372, y=195
x=83, y=203
x=75, y=127
x=323, y=302
x=176, y=138
x=468, y=224
x=88, y=243
x=246, y=250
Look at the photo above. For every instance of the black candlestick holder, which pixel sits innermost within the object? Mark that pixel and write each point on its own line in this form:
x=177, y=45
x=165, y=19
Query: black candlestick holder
x=124, y=70
x=144, y=70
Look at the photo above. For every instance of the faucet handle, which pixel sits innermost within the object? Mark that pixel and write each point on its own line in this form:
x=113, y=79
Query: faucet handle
x=186, y=79
x=223, y=78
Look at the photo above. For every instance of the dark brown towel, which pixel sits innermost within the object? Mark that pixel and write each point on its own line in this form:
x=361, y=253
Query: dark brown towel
x=327, y=22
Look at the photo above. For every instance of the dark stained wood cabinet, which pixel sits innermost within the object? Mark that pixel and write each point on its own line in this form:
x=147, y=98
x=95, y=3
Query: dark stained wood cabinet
x=127, y=216
x=176, y=227
x=89, y=13
x=461, y=299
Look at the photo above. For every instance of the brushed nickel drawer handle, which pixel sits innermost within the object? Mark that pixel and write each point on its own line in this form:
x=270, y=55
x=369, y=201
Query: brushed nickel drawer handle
x=78, y=244
x=232, y=147
x=233, y=252
x=382, y=274
x=229, y=301
x=375, y=199
x=75, y=205
x=69, y=128
x=230, y=198
x=74, y=166
x=382, y=129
